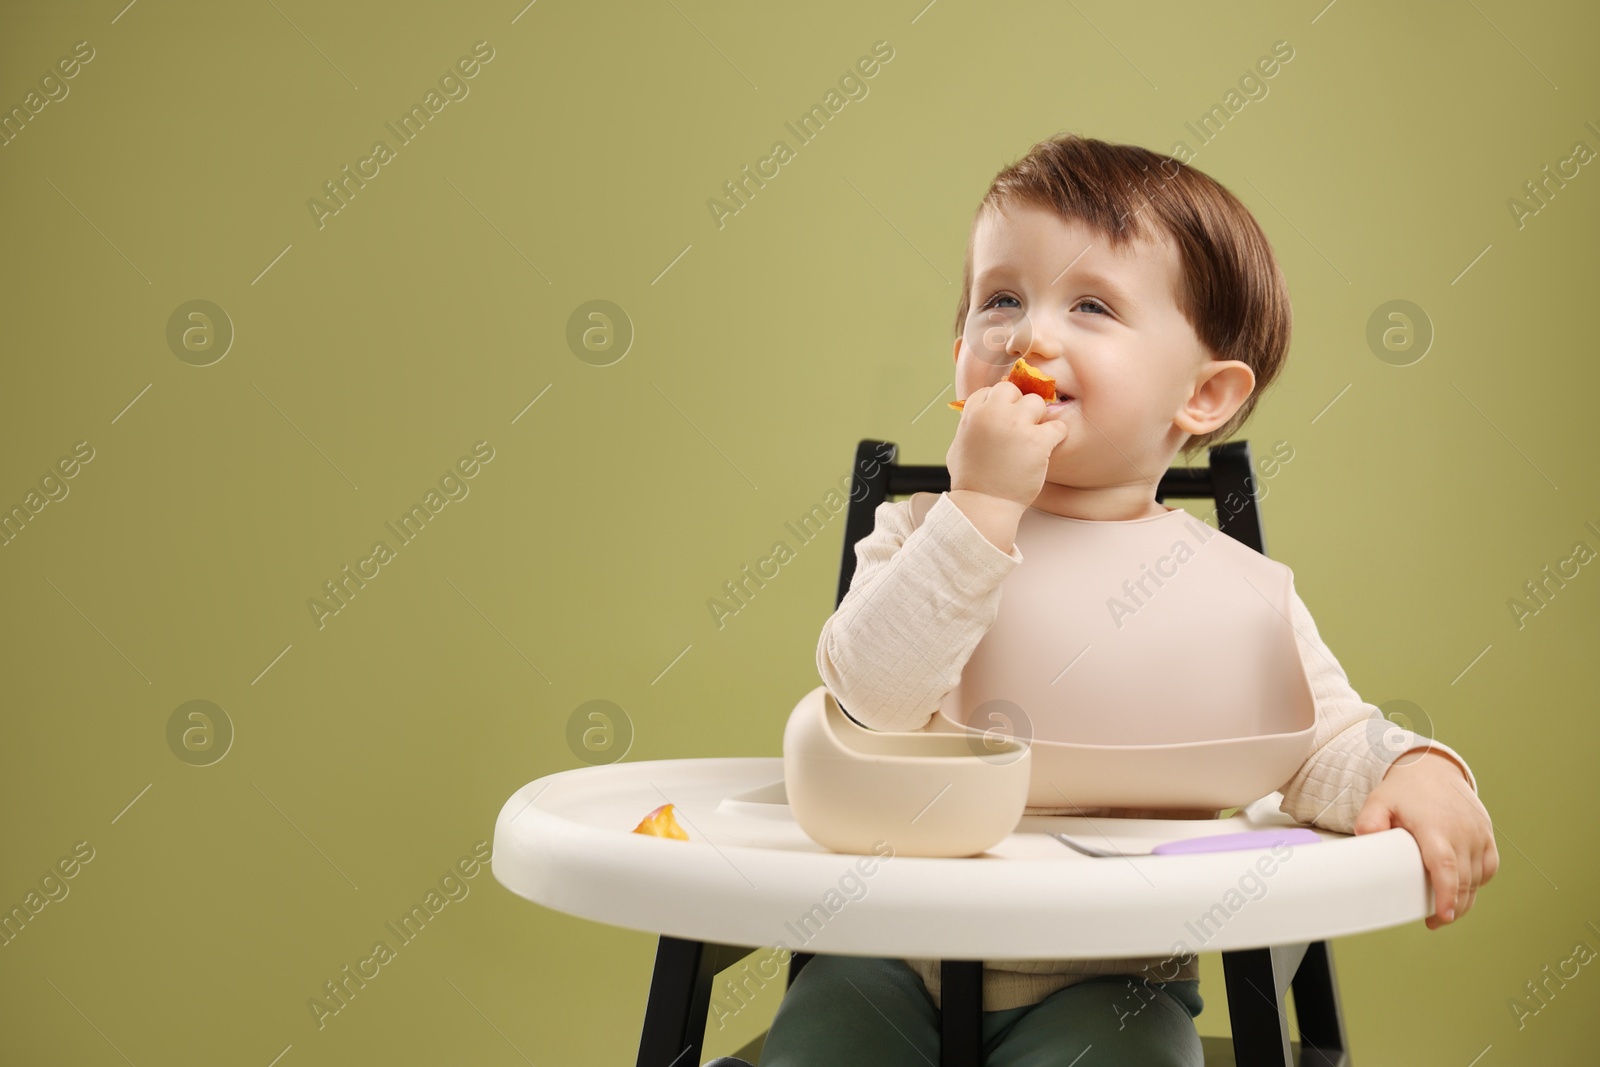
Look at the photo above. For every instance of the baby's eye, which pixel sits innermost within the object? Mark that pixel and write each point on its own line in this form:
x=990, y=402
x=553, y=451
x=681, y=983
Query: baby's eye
x=994, y=300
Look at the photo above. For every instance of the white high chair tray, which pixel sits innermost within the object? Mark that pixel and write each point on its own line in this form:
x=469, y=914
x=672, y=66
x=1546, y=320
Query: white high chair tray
x=750, y=876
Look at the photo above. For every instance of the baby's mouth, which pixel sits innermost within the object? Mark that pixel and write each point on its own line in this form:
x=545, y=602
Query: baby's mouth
x=1030, y=380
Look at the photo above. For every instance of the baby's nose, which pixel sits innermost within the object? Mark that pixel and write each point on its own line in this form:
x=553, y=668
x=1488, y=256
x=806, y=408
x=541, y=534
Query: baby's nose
x=1038, y=344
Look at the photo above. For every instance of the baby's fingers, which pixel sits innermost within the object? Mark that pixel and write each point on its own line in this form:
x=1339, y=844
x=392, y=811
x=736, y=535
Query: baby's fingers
x=1444, y=872
x=1485, y=861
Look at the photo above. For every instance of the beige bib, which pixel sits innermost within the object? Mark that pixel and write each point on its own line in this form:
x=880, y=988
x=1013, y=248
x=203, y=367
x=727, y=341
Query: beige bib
x=1160, y=631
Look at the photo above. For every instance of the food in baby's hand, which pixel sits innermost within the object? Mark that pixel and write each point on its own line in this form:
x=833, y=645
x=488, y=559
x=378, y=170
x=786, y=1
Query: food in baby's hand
x=660, y=823
x=1024, y=377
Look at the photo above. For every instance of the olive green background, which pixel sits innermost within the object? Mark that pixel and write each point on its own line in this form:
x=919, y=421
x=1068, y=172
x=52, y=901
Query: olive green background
x=372, y=753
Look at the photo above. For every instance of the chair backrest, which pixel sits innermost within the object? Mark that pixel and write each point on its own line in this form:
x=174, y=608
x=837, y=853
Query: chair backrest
x=1226, y=480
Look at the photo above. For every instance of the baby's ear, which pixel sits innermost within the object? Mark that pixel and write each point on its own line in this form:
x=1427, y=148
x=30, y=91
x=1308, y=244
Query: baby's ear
x=1222, y=387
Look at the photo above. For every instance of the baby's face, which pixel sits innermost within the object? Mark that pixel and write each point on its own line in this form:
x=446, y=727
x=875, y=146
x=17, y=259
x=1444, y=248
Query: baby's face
x=1103, y=323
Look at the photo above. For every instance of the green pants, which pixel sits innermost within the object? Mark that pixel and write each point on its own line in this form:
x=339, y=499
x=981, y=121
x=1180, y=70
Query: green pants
x=844, y=1011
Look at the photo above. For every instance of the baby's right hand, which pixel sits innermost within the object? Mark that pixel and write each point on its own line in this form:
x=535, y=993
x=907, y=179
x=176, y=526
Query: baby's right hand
x=1001, y=446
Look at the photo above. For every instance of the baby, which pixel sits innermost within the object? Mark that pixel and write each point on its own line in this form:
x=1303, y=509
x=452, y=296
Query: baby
x=1151, y=296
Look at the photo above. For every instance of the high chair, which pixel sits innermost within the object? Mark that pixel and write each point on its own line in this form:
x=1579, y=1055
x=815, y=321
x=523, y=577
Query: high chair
x=1258, y=980
x=563, y=841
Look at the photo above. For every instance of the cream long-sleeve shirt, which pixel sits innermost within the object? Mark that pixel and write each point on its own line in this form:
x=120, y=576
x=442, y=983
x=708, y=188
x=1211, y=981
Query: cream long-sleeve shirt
x=921, y=599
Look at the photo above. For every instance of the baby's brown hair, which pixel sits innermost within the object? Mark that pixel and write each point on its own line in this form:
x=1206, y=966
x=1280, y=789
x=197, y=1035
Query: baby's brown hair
x=1232, y=293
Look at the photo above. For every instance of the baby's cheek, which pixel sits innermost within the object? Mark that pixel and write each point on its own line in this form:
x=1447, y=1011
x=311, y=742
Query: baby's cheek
x=992, y=351
x=968, y=376
x=976, y=371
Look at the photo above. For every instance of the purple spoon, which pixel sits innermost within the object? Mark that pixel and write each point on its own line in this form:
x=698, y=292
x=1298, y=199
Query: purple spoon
x=1245, y=839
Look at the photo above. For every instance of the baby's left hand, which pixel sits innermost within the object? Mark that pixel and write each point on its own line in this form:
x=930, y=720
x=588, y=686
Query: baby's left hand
x=1428, y=795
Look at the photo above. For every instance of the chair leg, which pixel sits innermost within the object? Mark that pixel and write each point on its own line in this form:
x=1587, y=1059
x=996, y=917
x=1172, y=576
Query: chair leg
x=961, y=1013
x=1317, y=1009
x=680, y=993
x=1257, y=981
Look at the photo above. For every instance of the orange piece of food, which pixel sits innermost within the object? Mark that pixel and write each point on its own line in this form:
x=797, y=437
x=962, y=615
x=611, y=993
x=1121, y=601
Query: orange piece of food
x=660, y=823
x=1024, y=377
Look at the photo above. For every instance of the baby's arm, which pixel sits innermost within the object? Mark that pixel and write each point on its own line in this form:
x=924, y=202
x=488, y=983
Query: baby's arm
x=921, y=599
x=1368, y=775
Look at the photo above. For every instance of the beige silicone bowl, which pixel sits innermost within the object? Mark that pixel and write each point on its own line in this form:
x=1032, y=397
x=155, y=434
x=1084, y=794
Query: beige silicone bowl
x=921, y=793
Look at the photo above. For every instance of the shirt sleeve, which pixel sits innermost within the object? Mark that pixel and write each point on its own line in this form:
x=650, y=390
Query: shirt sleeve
x=921, y=599
x=1354, y=744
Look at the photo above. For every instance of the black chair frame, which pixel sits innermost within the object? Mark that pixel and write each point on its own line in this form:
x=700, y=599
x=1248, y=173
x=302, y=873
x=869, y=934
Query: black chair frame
x=1258, y=980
